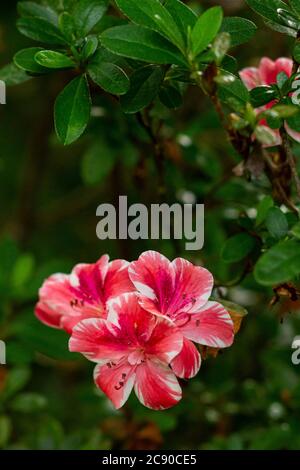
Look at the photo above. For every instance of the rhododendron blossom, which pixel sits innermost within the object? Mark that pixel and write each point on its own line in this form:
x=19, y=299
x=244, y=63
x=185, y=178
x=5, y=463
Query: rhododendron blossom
x=133, y=349
x=179, y=291
x=139, y=322
x=266, y=74
x=67, y=299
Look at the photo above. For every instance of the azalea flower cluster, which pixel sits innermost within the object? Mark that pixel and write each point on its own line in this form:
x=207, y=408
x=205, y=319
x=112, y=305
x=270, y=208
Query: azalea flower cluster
x=138, y=322
x=266, y=75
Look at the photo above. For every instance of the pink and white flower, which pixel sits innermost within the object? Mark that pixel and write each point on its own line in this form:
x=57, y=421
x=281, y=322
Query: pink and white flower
x=132, y=349
x=178, y=291
x=266, y=74
x=65, y=300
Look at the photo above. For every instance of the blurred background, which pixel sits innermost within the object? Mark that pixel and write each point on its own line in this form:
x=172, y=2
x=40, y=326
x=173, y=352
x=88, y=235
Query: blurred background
x=246, y=398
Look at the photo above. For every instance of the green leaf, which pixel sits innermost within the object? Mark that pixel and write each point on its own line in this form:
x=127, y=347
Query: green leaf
x=97, y=163
x=267, y=8
x=170, y=96
x=281, y=28
x=153, y=15
x=240, y=29
x=263, y=208
x=110, y=77
x=22, y=270
x=295, y=5
x=40, y=30
x=54, y=60
x=278, y=265
x=238, y=247
x=262, y=95
x=144, y=87
x=276, y=223
x=184, y=17
x=16, y=381
x=137, y=42
x=44, y=340
x=35, y=10
x=25, y=59
x=206, y=29
x=87, y=13
x=89, y=48
x=296, y=230
x=67, y=25
x=13, y=75
x=234, y=93
x=28, y=403
x=72, y=110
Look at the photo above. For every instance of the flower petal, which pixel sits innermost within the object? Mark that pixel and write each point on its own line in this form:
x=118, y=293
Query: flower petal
x=250, y=76
x=187, y=364
x=116, y=381
x=156, y=386
x=170, y=289
x=47, y=316
x=127, y=320
x=193, y=286
x=212, y=326
x=97, y=342
x=117, y=281
x=165, y=342
x=153, y=276
x=283, y=64
x=294, y=134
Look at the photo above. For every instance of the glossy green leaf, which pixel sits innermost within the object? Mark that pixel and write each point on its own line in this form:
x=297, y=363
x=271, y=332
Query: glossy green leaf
x=89, y=48
x=110, y=77
x=67, y=26
x=184, y=16
x=262, y=95
x=144, y=87
x=33, y=9
x=153, y=15
x=137, y=42
x=233, y=92
x=279, y=264
x=87, y=13
x=25, y=59
x=53, y=60
x=267, y=8
x=72, y=110
x=241, y=30
x=206, y=29
x=40, y=30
